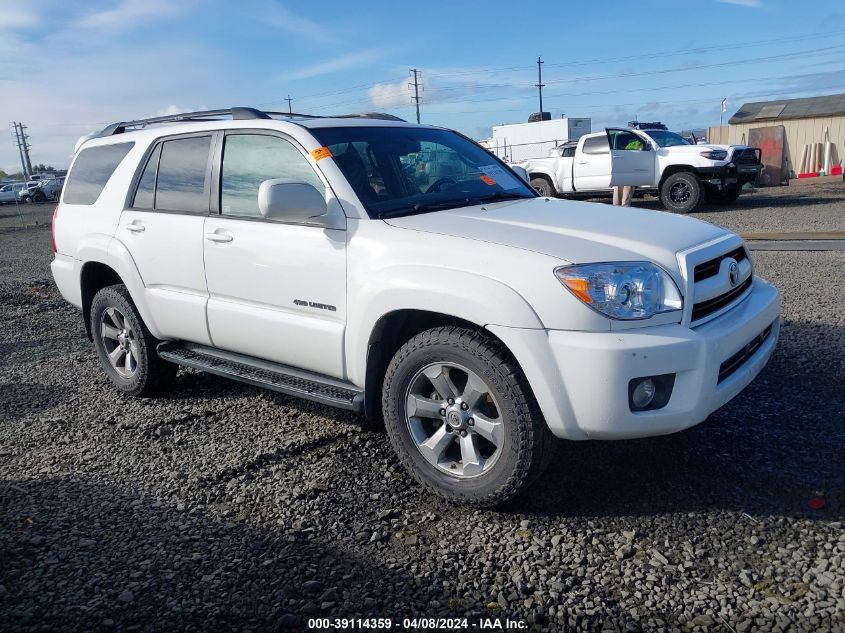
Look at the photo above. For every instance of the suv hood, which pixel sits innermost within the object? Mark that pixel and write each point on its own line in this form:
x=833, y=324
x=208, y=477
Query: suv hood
x=574, y=232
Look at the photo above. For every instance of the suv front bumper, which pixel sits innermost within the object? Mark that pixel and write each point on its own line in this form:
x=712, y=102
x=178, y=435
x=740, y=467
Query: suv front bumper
x=581, y=379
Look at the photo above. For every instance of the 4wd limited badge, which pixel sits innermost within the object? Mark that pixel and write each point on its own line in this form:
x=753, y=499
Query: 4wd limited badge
x=315, y=304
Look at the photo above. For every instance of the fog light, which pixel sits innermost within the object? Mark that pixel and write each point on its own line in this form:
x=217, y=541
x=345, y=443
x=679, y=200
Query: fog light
x=649, y=393
x=643, y=394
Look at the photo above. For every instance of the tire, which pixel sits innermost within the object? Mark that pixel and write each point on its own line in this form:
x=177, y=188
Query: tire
x=543, y=186
x=25, y=199
x=473, y=364
x=39, y=197
x=728, y=195
x=681, y=192
x=139, y=370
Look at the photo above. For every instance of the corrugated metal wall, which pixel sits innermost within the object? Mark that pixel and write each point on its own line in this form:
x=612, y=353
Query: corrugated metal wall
x=797, y=132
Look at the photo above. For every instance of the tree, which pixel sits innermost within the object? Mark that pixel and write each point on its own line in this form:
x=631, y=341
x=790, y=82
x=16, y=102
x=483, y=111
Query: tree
x=3, y=175
x=41, y=167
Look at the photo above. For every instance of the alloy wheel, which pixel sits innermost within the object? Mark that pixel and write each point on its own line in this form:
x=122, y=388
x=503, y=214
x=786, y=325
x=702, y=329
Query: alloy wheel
x=120, y=342
x=454, y=420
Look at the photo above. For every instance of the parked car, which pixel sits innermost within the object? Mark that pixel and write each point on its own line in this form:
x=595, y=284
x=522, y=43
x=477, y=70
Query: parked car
x=479, y=320
x=9, y=192
x=683, y=175
x=43, y=191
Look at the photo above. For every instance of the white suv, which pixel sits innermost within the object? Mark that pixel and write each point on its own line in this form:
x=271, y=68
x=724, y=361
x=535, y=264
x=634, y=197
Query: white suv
x=332, y=259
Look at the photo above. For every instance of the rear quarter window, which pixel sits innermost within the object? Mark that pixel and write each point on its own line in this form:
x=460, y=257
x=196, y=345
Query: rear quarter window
x=91, y=171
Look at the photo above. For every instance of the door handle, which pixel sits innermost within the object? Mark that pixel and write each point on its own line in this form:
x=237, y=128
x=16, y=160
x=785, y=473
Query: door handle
x=136, y=228
x=582, y=162
x=218, y=237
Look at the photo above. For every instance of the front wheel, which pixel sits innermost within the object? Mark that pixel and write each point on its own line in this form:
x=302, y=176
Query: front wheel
x=681, y=192
x=543, y=186
x=460, y=416
x=125, y=347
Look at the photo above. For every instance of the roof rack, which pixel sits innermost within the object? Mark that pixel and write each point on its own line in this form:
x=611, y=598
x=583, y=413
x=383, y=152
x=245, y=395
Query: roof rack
x=237, y=114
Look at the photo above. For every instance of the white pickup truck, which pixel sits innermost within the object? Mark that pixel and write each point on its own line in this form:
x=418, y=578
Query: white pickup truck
x=682, y=174
x=402, y=272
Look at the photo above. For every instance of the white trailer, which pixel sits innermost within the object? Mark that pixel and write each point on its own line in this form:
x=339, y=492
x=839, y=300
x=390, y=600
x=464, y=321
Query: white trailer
x=522, y=141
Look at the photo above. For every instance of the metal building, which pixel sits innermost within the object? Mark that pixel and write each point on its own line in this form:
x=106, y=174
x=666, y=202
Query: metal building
x=804, y=122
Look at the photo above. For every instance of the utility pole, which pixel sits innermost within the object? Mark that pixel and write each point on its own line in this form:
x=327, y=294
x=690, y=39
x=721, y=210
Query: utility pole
x=290, y=107
x=416, y=86
x=23, y=148
x=722, y=109
x=540, y=83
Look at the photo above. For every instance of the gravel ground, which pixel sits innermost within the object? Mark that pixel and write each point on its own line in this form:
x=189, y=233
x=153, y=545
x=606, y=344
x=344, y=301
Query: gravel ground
x=222, y=507
x=816, y=204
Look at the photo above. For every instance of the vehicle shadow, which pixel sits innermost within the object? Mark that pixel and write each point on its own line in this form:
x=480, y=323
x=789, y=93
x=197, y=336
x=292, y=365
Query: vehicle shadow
x=77, y=554
x=778, y=443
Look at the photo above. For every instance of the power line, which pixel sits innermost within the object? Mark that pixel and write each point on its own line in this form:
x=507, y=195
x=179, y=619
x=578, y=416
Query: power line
x=416, y=86
x=290, y=107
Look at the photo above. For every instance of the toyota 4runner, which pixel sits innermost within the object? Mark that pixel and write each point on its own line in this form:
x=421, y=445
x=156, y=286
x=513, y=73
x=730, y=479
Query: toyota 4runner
x=315, y=257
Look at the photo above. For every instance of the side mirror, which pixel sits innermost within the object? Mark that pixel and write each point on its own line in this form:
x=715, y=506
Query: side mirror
x=521, y=172
x=647, y=147
x=292, y=201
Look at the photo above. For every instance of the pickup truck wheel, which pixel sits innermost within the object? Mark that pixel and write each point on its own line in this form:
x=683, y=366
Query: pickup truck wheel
x=727, y=195
x=543, y=186
x=460, y=416
x=125, y=347
x=39, y=196
x=681, y=192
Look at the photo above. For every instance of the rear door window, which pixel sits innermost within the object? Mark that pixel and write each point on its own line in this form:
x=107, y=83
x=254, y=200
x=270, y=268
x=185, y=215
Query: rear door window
x=596, y=145
x=182, y=183
x=92, y=170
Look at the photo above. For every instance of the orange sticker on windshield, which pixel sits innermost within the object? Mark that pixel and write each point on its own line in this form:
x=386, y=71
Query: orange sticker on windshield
x=487, y=180
x=320, y=153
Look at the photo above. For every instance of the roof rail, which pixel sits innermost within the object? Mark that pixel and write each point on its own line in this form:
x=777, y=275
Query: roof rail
x=237, y=114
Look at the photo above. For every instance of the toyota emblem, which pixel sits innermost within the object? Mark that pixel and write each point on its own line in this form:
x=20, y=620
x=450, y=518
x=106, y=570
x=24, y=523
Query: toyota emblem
x=733, y=273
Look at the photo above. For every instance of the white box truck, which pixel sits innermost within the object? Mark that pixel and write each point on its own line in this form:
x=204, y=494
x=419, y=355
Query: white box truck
x=523, y=141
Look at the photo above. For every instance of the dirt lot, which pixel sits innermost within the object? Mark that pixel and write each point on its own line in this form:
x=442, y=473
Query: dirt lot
x=222, y=507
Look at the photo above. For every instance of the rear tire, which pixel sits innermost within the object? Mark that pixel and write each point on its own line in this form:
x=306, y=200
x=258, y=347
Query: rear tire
x=499, y=446
x=39, y=197
x=681, y=192
x=543, y=186
x=125, y=347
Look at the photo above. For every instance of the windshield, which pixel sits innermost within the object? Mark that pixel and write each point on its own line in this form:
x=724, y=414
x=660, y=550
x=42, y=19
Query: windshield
x=666, y=139
x=404, y=170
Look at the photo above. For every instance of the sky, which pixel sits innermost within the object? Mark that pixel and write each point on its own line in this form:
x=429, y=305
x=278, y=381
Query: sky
x=67, y=69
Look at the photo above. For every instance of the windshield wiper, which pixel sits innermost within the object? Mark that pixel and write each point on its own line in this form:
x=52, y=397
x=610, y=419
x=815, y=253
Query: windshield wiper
x=422, y=207
x=498, y=197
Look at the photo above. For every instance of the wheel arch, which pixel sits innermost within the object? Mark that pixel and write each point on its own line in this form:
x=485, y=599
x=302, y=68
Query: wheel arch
x=390, y=332
x=671, y=170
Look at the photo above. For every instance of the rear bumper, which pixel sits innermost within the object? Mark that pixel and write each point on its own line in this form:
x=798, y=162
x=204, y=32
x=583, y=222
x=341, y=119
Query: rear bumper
x=66, y=271
x=582, y=387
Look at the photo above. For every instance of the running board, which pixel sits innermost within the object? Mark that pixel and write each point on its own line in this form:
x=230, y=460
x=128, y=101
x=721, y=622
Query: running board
x=266, y=374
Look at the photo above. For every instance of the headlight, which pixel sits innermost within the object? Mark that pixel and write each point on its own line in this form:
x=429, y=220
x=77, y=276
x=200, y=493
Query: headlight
x=715, y=154
x=622, y=290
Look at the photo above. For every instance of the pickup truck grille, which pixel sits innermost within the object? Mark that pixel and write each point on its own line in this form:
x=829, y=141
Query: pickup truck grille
x=745, y=156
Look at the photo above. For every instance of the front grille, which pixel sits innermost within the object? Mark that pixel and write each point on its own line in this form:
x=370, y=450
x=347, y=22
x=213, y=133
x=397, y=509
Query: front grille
x=737, y=360
x=711, y=267
x=705, y=308
x=747, y=156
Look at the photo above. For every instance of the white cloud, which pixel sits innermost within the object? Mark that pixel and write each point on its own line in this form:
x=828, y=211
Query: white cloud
x=174, y=109
x=127, y=13
x=333, y=65
x=390, y=95
x=14, y=16
x=754, y=4
x=280, y=17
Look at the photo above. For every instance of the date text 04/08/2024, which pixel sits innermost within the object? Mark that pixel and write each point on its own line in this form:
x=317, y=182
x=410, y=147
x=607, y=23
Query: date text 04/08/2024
x=433, y=624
